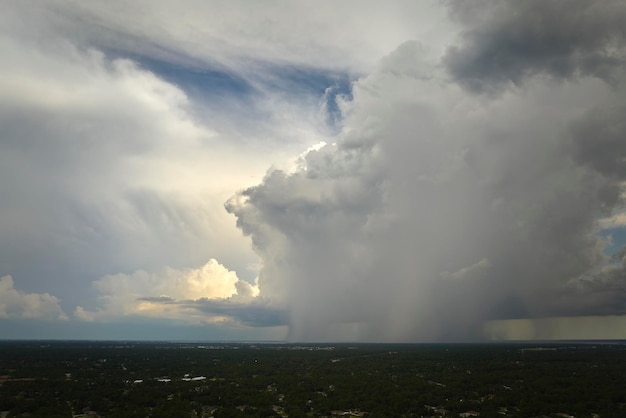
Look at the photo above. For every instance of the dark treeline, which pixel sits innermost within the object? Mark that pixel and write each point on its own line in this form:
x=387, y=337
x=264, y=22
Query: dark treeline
x=111, y=379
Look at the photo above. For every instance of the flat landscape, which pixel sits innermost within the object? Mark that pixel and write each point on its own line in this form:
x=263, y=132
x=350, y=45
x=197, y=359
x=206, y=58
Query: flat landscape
x=142, y=379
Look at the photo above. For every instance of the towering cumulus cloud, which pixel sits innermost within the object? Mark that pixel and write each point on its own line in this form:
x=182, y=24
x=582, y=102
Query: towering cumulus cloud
x=461, y=189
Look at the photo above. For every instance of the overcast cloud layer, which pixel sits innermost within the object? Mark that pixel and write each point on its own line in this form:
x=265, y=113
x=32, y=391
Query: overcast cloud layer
x=312, y=171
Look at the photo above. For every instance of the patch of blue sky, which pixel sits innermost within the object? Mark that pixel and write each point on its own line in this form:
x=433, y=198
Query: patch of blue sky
x=303, y=80
x=616, y=238
x=213, y=89
x=317, y=84
x=214, y=85
x=342, y=90
x=200, y=82
x=321, y=88
x=205, y=80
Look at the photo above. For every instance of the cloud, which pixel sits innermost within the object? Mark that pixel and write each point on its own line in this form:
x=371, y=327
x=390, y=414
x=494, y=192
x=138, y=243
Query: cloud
x=110, y=170
x=475, y=270
x=207, y=295
x=599, y=139
x=18, y=304
x=114, y=164
x=427, y=179
x=146, y=293
x=236, y=311
x=228, y=36
x=616, y=221
x=505, y=43
x=426, y=208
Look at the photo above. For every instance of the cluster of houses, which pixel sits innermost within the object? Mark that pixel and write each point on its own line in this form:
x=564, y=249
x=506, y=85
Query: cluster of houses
x=185, y=378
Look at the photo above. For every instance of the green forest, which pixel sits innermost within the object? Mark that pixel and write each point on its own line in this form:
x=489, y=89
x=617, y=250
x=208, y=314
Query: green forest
x=129, y=379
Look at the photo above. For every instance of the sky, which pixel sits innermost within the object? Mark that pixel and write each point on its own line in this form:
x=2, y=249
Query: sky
x=439, y=170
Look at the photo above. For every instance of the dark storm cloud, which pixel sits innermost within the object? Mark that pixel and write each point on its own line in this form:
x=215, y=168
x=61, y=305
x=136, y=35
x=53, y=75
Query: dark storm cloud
x=600, y=293
x=506, y=42
x=600, y=140
x=437, y=210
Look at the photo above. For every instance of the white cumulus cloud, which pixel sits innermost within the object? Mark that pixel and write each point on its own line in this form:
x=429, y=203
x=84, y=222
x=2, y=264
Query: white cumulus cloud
x=169, y=294
x=15, y=303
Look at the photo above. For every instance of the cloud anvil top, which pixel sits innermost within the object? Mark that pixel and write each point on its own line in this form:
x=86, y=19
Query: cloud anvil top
x=420, y=171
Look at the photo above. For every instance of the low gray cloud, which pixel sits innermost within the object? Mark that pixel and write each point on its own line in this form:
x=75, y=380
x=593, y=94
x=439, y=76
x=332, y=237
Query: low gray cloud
x=156, y=299
x=241, y=309
x=255, y=313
